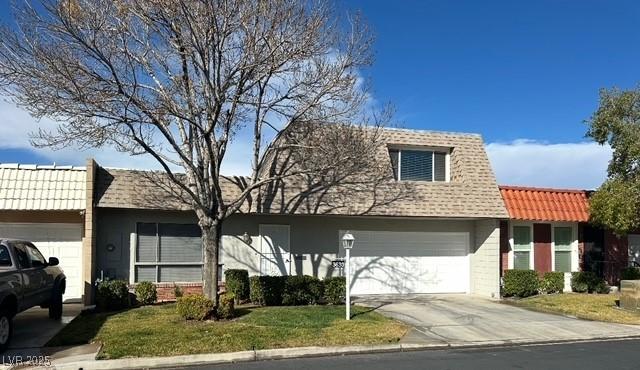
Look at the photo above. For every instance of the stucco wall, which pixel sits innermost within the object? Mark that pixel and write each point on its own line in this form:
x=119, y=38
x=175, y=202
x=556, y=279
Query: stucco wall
x=313, y=239
x=485, y=261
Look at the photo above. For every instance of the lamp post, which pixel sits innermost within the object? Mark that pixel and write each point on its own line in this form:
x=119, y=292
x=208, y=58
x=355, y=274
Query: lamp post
x=347, y=244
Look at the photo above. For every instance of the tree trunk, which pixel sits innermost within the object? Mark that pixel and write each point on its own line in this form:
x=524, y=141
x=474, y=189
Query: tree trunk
x=211, y=238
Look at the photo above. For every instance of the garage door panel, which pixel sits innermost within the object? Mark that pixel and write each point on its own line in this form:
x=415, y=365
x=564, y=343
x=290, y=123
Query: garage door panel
x=407, y=244
x=389, y=262
x=63, y=241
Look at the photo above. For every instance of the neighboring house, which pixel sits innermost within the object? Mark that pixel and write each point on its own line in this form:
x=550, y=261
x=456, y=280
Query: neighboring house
x=432, y=225
x=549, y=230
x=45, y=204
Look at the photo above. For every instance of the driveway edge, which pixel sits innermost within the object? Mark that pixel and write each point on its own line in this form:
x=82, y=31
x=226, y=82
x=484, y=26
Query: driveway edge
x=299, y=352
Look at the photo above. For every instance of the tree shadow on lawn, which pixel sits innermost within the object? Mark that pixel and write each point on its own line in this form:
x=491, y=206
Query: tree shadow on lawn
x=83, y=328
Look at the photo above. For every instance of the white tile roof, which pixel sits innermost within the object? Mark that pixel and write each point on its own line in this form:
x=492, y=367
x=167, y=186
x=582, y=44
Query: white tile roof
x=31, y=187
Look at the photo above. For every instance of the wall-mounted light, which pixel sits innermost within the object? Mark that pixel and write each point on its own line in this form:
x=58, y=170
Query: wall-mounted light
x=247, y=238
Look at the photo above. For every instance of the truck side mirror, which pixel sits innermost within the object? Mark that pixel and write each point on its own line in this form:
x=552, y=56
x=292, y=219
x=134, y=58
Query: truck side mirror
x=53, y=261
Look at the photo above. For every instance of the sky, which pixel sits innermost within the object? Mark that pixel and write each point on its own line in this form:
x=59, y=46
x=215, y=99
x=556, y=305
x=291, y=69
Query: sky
x=523, y=74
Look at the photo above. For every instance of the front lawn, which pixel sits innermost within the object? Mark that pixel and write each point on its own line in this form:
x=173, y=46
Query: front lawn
x=600, y=307
x=159, y=331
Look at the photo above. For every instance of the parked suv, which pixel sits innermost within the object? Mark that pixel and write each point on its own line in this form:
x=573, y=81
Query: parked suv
x=27, y=280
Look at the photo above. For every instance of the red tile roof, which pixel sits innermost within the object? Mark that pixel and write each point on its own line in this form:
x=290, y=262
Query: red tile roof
x=540, y=204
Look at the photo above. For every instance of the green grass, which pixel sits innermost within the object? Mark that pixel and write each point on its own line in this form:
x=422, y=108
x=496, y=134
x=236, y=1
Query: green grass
x=599, y=307
x=159, y=331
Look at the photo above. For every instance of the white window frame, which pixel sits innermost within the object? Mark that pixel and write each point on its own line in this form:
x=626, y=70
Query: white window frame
x=512, y=243
x=433, y=150
x=575, y=263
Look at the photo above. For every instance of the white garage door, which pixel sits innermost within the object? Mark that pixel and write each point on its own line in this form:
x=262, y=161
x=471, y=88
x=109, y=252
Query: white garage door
x=388, y=262
x=63, y=241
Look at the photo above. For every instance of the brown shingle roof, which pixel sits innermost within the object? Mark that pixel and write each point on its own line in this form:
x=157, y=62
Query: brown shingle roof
x=31, y=187
x=471, y=193
x=542, y=204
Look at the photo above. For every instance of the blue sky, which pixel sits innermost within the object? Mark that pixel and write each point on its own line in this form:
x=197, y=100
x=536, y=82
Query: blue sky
x=524, y=74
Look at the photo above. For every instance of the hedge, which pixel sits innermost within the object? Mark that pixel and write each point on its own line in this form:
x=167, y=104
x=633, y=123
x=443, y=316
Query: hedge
x=237, y=282
x=520, y=283
x=266, y=290
x=588, y=282
x=630, y=273
x=194, y=307
x=302, y=290
x=226, y=307
x=552, y=282
x=335, y=290
x=146, y=293
x=112, y=295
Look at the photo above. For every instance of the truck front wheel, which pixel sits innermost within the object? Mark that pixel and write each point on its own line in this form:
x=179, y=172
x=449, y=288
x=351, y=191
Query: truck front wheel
x=6, y=329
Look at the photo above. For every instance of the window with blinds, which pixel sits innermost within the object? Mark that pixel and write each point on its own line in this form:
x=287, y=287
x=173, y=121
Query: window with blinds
x=168, y=253
x=418, y=165
x=562, y=240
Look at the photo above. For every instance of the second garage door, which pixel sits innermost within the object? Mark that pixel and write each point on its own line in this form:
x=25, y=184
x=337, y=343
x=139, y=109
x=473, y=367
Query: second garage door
x=390, y=262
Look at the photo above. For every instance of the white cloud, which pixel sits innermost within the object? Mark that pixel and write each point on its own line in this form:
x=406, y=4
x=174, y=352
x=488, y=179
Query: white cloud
x=580, y=165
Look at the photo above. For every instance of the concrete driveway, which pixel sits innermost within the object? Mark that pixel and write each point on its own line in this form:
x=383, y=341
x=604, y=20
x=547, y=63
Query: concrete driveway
x=33, y=328
x=470, y=320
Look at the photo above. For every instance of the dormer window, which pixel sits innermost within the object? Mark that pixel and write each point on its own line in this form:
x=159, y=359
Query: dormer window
x=419, y=165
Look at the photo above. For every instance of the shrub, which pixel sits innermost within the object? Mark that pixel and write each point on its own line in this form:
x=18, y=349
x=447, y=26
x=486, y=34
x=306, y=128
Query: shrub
x=177, y=291
x=335, y=290
x=585, y=281
x=266, y=290
x=302, y=290
x=552, y=282
x=237, y=282
x=112, y=295
x=194, y=307
x=146, y=293
x=226, y=307
x=630, y=273
x=602, y=287
x=520, y=283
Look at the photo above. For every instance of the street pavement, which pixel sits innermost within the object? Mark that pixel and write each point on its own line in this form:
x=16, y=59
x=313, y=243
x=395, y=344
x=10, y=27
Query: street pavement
x=610, y=355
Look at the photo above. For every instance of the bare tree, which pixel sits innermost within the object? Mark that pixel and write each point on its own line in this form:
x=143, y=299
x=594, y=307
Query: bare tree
x=179, y=80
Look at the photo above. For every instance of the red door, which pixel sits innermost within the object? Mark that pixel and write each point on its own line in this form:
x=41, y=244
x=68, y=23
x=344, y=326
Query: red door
x=542, y=247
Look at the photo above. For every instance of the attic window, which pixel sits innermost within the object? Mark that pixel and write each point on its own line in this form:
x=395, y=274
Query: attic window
x=419, y=165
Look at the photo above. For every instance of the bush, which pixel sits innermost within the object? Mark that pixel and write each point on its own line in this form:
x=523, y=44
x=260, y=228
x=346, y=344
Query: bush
x=266, y=290
x=630, y=273
x=335, y=290
x=194, y=307
x=586, y=282
x=302, y=290
x=112, y=295
x=226, y=307
x=602, y=287
x=146, y=293
x=237, y=282
x=520, y=283
x=177, y=291
x=552, y=282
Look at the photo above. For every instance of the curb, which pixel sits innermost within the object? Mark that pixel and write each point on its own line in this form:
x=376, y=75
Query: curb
x=303, y=352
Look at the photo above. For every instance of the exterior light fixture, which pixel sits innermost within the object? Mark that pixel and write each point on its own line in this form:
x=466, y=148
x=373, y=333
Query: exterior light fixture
x=246, y=238
x=347, y=243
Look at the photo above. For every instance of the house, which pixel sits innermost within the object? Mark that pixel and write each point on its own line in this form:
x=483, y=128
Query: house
x=432, y=225
x=45, y=204
x=549, y=230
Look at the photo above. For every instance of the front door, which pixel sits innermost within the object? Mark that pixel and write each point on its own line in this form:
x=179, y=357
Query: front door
x=542, y=247
x=275, y=253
